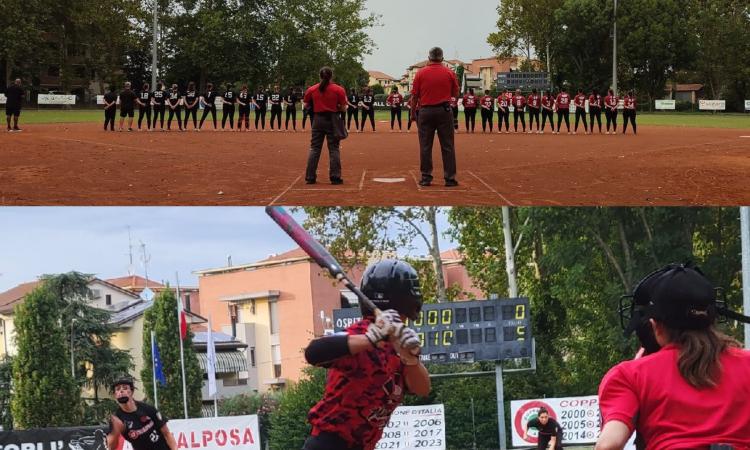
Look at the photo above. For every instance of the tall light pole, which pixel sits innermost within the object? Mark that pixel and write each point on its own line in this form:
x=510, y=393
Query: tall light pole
x=614, y=51
x=72, y=358
x=153, y=45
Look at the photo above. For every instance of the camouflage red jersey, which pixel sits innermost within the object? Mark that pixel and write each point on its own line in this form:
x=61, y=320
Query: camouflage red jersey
x=361, y=392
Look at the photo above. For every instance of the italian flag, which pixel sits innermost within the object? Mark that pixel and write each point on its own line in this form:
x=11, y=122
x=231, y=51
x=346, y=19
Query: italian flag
x=181, y=318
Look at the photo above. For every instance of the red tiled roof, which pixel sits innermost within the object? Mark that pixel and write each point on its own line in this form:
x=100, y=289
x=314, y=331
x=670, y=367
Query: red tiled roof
x=296, y=253
x=451, y=254
x=133, y=282
x=9, y=298
x=380, y=75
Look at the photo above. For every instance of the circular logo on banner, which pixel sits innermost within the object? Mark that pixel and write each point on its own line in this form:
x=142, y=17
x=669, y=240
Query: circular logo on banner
x=528, y=411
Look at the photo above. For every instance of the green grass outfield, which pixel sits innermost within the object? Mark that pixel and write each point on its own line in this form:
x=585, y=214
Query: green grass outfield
x=728, y=120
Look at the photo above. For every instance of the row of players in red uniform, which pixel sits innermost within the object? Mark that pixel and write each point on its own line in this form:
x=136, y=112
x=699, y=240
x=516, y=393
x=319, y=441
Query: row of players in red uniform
x=543, y=105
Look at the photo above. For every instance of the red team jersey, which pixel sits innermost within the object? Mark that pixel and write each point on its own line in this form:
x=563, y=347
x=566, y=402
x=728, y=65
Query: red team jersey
x=580, y=100
x=361, y=392
x=470, y=101
x=611, y=101
x=547, y=101
x=650, y=394
x=519, y=101
x=488, y=101
x=453, y=102
x=563, y=100
x=395, y=99
x=595, y=101
x=629, y=102
x=502, y=101
x=533, y=101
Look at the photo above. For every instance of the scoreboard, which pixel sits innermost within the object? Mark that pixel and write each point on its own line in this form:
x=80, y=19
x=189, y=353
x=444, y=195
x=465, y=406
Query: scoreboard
x=480, y=330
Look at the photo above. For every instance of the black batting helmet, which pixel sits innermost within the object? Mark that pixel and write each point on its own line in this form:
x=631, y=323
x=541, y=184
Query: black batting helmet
x=392, y=284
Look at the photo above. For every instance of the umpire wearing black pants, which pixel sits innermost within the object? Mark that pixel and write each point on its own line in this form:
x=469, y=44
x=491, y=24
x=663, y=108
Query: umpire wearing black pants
x=329, y=102
x=433, y=87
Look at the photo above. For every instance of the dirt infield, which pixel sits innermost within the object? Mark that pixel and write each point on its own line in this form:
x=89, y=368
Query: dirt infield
x=77, y=164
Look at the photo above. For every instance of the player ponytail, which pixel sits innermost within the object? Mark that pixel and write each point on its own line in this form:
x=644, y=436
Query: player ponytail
x=326, y=73
x=700, y=353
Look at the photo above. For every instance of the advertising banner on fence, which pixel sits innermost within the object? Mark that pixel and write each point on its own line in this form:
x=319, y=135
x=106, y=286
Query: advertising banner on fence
x=747, y=105
x=415, y=427
x=214, y=433
x=665, y=104
x=4, y=99
x=74, y=438
x=712, y=105
x=56, y=99
x=578, y=417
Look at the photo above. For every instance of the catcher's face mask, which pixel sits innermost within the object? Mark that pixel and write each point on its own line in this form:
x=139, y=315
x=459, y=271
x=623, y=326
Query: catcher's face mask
x=637, y=308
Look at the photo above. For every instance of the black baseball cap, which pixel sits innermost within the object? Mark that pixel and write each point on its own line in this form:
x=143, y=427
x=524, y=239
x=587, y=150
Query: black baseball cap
x=679, y=295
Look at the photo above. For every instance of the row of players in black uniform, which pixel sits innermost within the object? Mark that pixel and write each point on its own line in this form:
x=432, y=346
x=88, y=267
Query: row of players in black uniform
x=152, y=105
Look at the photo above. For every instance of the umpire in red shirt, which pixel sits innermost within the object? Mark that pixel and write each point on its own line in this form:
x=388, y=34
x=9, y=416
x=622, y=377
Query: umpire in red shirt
x=328, y=99
x=434, y=85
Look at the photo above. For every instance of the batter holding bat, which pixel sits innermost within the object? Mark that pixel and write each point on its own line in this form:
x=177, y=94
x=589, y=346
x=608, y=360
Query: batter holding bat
x=371, y=365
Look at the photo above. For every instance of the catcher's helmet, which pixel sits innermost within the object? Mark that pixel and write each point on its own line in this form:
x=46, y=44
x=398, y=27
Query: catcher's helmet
x=392, y=284
x=679, y=295
x=124, y=379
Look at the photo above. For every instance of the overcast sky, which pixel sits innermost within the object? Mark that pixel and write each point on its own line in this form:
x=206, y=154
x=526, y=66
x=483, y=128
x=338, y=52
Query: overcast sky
x=36, y=241
x=409, y=28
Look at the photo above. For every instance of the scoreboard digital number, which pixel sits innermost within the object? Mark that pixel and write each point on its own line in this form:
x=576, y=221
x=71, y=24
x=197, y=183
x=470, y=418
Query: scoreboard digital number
x=480, y=330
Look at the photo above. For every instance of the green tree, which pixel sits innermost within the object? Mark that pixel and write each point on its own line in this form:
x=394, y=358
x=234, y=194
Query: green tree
x=289, y=427
x=44, y=393
x=23, y=46
x=722, y=50
x=97, y=364
x=354, y=235
x=658, y=41
x=6, y=381
x=161, y=317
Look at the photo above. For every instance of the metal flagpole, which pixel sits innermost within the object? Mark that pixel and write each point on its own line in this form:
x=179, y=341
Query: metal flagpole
x=153, y=369
x=182, y=351
x=745, y=236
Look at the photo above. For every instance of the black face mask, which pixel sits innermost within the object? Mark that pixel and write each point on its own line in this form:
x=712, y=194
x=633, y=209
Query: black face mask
x=123, y=400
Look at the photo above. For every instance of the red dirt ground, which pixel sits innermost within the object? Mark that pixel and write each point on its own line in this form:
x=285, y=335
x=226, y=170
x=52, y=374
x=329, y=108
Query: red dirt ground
x=77, y=164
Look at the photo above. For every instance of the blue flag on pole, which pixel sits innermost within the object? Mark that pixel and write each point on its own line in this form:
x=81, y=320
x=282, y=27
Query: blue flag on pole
x=158, y=369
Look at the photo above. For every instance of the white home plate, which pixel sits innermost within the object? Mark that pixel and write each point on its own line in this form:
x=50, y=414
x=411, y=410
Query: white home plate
x=389, y=180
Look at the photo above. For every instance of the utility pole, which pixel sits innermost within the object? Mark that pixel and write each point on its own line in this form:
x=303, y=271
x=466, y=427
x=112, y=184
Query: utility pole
x=153, y=44
x=614, y=51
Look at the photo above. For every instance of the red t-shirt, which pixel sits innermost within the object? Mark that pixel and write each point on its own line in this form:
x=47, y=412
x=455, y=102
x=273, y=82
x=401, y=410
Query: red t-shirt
x=327, y=101
x=611, y=101
x=435, y=84
x=502, y=101
x=563, y=100
x=533, y=101
x=519, y=101
x=395, y=99
x=547, y=101
x=470, y=101
x=361, y=393
x=629, y=102
x=488, y=101
x=595, y=101
x=580, y=100
x=650, y=395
